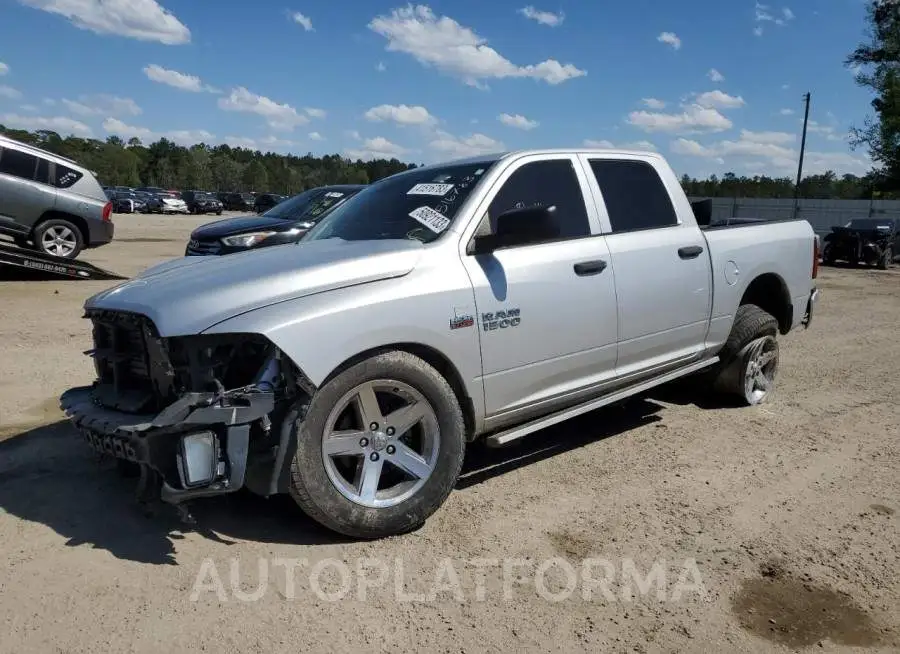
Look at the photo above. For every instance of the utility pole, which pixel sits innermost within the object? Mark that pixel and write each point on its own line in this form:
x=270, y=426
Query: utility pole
x=806, y=99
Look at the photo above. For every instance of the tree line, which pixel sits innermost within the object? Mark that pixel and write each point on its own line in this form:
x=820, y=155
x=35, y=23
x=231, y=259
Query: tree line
x=223, y=168
x=201, y=166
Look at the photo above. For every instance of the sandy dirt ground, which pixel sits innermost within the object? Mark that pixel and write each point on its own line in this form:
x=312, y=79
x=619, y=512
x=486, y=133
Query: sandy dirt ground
x=770, y=529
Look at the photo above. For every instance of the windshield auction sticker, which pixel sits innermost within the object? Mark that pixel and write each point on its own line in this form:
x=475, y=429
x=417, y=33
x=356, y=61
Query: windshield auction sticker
x=430, y=189
x=433, y=220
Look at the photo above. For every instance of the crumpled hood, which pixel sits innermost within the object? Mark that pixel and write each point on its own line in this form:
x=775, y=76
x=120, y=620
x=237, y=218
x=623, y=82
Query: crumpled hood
x=188, y=295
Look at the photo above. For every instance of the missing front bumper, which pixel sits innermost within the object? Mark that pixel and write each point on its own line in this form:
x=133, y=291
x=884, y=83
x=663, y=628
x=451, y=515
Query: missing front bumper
x=156, y=441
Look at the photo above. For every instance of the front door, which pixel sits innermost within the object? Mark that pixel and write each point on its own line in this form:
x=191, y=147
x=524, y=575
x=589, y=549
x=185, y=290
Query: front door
x=546, y=311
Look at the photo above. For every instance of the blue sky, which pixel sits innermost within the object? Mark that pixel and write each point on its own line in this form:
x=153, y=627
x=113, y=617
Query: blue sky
x=714, y=85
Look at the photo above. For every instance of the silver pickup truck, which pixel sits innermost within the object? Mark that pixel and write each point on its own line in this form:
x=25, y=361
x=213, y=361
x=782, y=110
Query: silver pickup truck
x=480, y=299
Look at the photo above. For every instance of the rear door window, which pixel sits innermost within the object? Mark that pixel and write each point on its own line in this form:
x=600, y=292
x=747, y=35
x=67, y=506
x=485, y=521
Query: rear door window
x=17, y=164
x=634, y=195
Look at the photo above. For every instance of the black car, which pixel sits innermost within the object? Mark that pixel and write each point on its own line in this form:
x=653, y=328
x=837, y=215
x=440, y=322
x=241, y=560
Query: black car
x=265, y=201
x=239, y=202
x=287, y=222
x=127, y=202
x=872, y=241
x=202, y=202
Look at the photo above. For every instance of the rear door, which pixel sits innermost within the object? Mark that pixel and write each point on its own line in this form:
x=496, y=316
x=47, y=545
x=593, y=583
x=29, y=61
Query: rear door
x=660, y=262
x=546, y=311
x=23, y=199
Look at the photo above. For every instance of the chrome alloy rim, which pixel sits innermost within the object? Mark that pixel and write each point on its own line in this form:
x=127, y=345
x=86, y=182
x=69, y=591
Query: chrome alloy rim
x=762, y=365
x=380, y=444
x=59, y=241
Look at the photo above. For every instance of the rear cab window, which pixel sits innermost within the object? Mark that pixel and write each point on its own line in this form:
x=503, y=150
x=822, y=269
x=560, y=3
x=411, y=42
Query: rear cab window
x=636, y=198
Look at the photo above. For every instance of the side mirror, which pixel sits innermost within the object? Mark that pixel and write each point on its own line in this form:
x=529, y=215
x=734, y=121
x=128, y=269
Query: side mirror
x=519, y=227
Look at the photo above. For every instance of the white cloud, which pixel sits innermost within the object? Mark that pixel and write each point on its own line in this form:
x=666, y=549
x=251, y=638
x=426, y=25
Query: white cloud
x=591, y=143
x=778, y=138
x=353, y=134
x=518, y=121
x=670, y=38
x=9, y=93
x=380, y=67
x=102, y=105
x=144, y=20
x=29, y=108
x=468, y=146
x=635, y=145
x=715, y=75
x=315, y=136
x=401, y=114
x=827, y=131
x=60, y=124
x=4, y=69
x=787, y=112
x=765, y=14
x=768, y=149
x=376, y=148
x=719, y=100
x=241, y=142
x=175, y=79
x=547, y=18
x=785, y=87
x=302, y=21
x=278, y=116
x=457, y=50
x=312, y=112
x=146, y=135
x=694, y=118
x=653, y=103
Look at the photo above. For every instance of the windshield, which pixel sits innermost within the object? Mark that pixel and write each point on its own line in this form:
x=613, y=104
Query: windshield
x=869, y=223
x=420, y=204
x=310, y=204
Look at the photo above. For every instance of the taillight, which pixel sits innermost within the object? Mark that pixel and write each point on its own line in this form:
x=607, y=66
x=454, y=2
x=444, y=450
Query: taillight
x=815, y=266
x=107, y=211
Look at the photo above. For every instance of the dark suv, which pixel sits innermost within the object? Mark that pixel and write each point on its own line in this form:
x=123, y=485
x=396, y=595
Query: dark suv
x=202, y=202
x=51, y=202
x=265, y=201
x=239, y=202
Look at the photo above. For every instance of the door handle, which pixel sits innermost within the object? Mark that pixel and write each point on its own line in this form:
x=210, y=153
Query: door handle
x=590, y=267
x=690, y=252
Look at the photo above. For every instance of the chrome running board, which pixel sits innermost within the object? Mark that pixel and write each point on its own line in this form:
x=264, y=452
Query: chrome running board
x=502, y=438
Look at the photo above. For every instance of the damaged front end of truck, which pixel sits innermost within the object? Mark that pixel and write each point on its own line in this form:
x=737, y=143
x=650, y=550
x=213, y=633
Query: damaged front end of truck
x=200, y=415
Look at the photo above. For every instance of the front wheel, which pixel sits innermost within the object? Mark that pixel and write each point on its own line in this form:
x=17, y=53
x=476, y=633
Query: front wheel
x=886, y=259
x=749, y=359
x=380, y=447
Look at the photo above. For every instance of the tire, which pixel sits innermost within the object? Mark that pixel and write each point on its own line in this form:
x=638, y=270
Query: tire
x=827, y=257
x=317, y=483
x=886, y=259
x=68, y=242
x=751, y=351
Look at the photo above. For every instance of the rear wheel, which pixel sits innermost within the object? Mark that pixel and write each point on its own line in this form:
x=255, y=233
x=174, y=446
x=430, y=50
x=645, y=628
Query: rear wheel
x=58, y=238
x=749, y=359
x=380, y=447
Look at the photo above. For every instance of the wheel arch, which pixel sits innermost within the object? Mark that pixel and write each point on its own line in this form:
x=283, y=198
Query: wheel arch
x=78, y=221
x=433, y=357
x=770, y=293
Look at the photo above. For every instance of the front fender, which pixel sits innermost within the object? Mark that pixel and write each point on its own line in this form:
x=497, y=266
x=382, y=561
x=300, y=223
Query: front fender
x=320, y=332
